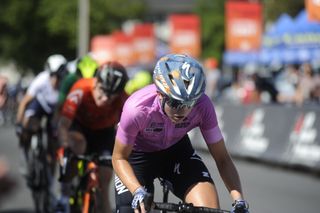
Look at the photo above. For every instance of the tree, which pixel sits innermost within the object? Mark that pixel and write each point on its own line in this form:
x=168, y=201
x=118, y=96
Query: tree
x=32, y=30
x=274, y=8
x=212, y=18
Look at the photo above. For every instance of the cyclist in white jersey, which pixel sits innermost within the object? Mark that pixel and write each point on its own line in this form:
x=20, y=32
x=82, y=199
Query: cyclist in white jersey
x=152, y=141
x=39, y=102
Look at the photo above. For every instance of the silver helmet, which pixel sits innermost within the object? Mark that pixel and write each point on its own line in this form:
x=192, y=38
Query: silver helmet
x=179, y=77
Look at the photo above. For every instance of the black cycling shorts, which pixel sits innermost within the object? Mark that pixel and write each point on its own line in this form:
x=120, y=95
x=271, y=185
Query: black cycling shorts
x=98, y=141
x=35, y=109
x=179, y=165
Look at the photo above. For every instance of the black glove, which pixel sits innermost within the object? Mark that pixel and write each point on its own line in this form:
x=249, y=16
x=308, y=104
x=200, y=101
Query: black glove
x=19, y=129
x=240, y=206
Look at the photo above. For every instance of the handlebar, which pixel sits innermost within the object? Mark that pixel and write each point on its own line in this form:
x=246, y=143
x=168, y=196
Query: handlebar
x=186, y=207
x=104, y=160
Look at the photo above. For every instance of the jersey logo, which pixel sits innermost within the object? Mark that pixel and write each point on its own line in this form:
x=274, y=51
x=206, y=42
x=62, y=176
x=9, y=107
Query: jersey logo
x=155, y=127
x=205, y=174
x=75, y=96
x=195, y=156
x=182, y=125
x=177, y=169
x=120, y=187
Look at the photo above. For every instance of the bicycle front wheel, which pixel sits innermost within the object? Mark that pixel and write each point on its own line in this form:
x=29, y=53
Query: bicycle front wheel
x=39, y=177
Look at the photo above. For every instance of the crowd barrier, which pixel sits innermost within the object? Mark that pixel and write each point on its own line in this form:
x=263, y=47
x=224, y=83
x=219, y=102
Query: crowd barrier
x=285, y=135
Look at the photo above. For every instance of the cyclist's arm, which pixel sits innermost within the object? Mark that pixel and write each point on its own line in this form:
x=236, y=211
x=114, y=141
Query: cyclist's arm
x=63, y=128
x=65, y=88
x=122, y=167
x=227, y=169
x=22, y=107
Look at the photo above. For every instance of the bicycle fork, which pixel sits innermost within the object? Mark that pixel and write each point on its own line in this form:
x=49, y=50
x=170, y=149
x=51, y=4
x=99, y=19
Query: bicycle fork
x=92, y=184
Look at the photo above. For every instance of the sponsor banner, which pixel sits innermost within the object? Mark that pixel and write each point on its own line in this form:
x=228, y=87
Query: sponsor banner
x=313, y=10
x=288, y=136
x=185, y=35
x=102, y=48
x=304, y=140
x=243, y=26
x=144, y=43
x=124, y=51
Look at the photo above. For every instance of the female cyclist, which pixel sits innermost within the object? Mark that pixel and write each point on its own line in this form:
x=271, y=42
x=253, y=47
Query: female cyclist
x=152, y=140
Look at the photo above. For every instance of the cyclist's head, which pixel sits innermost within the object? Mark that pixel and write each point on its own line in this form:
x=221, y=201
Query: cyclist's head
x=180, y=79
x=86, y=67
x=55, y=64
x=139, y=80
x=113, y=77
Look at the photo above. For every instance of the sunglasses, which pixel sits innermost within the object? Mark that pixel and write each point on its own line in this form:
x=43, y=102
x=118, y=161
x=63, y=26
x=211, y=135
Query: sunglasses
x=176, y=104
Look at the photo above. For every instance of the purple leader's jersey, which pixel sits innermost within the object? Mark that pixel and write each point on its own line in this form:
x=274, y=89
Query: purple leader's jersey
x=144, y=124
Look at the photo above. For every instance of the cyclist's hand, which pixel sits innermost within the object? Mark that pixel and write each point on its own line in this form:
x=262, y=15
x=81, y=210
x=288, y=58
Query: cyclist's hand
x=141, y=201
x=240, y=206
x=18, y=129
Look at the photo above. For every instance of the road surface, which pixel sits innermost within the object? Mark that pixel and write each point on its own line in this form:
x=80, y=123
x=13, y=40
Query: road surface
x=268, y=189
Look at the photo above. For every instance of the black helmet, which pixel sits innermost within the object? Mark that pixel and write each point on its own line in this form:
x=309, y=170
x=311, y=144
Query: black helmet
x=113, y=77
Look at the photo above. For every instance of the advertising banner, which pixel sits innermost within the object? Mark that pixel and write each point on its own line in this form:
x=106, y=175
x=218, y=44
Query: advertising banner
x=144, y=43
x=102, y=48
x=124, y=51
x=313, y=10
x=304, y=140
x=277, y=134
x=185, y=35
x=243, y=26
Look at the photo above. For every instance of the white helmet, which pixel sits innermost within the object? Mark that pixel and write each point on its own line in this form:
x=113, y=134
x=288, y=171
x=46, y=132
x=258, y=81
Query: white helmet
x=55, y=62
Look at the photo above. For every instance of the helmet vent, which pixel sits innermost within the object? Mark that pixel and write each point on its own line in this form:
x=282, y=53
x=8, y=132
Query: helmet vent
x=172, y=79
x=186, y=83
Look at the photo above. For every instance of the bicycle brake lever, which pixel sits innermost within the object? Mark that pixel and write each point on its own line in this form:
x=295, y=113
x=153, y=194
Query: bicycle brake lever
x=148, y=202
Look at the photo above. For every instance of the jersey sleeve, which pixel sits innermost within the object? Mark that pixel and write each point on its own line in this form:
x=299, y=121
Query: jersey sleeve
x=36, y=84
x=209, y=126
x=66, y=85
x=72, y=102
x=128, y=126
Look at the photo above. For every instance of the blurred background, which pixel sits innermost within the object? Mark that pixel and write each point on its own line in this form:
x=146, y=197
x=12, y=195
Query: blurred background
x=261, y=58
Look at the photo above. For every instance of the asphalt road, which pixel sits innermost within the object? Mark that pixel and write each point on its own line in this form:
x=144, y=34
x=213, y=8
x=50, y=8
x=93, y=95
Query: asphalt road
x=268, y=189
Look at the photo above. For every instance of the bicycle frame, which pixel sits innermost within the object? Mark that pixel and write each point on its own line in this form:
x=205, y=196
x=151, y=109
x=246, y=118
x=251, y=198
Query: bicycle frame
x=180, y=207
x=92, y=185
x=88, y=186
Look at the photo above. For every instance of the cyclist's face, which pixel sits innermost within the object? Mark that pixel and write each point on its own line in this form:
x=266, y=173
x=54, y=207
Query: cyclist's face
x=100, y=97
x=176, y=114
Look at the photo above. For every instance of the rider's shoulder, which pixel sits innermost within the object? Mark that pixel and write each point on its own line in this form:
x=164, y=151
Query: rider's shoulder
x=41, y=78
x=85, y=83
x=71, y=77
x=204, y=103
x=142, y=97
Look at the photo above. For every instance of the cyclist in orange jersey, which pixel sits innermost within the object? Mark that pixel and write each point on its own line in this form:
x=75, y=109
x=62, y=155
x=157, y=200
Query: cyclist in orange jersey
x=87, y=124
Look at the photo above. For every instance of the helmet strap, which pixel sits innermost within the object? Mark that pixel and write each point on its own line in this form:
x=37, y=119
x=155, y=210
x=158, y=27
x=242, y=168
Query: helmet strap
x=162, y=102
